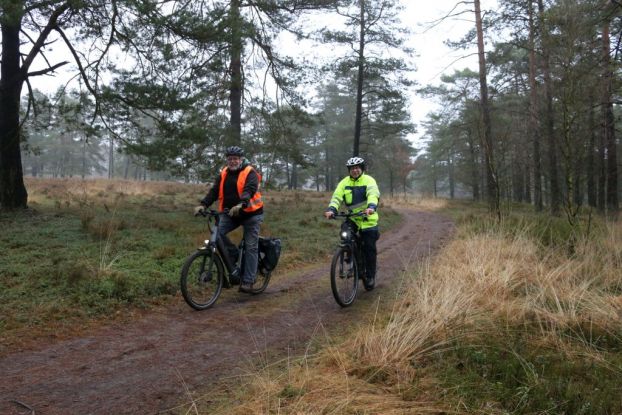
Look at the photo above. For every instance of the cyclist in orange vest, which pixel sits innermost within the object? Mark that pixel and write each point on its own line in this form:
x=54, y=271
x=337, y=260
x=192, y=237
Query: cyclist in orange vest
x=239, y=202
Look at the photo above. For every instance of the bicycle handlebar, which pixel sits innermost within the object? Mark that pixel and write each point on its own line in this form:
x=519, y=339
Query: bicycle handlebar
x=348, y=214
x=208, y=213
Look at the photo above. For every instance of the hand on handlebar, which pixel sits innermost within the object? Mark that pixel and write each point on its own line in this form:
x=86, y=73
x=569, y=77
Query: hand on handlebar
x=199, y=210
x=329, y=214
x=369, y=211
x=234, y=212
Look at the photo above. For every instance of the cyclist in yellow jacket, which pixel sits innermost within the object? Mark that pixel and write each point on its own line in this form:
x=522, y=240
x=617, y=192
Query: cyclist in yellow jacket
x=360, y=193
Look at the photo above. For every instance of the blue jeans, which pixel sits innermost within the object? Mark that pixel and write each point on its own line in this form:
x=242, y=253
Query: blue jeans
x=251, y=242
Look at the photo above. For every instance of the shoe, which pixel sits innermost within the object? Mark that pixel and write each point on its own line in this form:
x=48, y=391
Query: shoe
x=369, y=283
x=246, y=287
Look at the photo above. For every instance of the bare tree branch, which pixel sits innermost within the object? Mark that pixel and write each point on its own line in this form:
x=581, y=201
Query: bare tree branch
x=48, y=70
x=36, y=48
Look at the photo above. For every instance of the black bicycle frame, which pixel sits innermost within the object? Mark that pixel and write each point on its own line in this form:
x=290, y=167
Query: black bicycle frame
x=217, y=242
x=354, y=240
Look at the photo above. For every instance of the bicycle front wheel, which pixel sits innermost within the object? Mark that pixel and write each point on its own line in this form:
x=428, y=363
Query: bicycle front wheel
x=201, y=279
x=344, y=276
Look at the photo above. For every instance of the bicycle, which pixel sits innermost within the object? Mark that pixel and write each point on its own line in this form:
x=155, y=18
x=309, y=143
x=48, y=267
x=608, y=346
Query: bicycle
x=203, y=274
x=348, y=264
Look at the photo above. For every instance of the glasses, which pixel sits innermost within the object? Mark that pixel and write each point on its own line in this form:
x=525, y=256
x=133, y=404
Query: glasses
x=233, y=158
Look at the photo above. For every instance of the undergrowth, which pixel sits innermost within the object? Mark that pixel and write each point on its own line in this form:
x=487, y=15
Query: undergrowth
x=522, y=316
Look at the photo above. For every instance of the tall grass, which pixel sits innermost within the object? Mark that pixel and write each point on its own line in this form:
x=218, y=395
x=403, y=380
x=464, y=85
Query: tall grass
x=501, y=321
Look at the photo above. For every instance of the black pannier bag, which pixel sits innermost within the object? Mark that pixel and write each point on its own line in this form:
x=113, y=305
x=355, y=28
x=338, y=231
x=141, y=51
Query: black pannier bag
x=269, y=252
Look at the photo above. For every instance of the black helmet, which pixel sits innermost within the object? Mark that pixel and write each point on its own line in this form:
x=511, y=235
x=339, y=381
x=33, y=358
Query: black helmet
x=355, y=161
x=234, y=151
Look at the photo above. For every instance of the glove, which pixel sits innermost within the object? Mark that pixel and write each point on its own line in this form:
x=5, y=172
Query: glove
x=199, y=210
x=234, y=212
x=369, y=211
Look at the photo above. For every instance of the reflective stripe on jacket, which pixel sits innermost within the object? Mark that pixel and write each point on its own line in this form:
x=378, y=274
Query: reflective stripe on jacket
x=358, y=195
x=254, y=203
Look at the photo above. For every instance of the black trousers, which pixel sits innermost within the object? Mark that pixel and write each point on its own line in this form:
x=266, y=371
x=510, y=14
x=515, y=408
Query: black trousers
x=369, y=237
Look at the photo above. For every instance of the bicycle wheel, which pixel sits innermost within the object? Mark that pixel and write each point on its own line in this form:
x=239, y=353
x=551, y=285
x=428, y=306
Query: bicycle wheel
x=201, y=279
x=261, y=281
x=344, y=276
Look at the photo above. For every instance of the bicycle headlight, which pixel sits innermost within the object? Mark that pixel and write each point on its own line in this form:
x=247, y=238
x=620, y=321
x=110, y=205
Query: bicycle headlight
x=344, y=234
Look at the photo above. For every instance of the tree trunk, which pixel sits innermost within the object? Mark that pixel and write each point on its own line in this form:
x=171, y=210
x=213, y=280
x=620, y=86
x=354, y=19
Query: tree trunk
x=359, y=82
x=533, y=114
x=527, y=183
x=492, y=184
x=294, y=176
x=609, y=126
x=474, y=167
x=111, y=158
x=578, y=181
x=590, y=158
x=602, y=172
x=452, y=179
x=84, y=159
x=235, y=91
x=13, y=193
x=434, y=178
x=550, y=132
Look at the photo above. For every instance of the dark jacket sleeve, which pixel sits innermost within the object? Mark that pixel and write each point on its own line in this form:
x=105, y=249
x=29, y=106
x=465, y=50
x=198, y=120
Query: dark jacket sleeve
x=251, y=187
x=212, y=194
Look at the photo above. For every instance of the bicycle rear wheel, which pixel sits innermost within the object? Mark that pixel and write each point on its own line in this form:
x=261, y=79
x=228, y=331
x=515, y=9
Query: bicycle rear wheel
x=261, y=280
x=202, y=279
x=344, y=276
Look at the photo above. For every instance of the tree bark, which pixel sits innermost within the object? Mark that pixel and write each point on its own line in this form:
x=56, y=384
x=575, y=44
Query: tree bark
x=550, y=122
x=13, y=193
x=235, y=91
x=590, y=158
x=492, y=184
x=474, y=167
x=359, y=82
x=533, y=114
x=609, y=125
x=111, y=158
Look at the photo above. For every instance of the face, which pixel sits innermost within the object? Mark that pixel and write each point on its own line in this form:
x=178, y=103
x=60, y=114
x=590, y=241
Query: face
x=355, y=172
x=233, y=162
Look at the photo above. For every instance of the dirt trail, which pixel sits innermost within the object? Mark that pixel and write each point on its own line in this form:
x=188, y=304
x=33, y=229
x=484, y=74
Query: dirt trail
x=148, y=366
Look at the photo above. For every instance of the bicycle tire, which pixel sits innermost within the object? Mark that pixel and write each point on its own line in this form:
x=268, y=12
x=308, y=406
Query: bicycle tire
x=199, y=289
x=344, y=276
x=261, y=281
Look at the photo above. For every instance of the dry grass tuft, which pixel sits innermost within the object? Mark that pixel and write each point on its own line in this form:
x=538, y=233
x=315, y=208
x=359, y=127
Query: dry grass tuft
x=414, y=202
x=78, y=192
x=480, y=285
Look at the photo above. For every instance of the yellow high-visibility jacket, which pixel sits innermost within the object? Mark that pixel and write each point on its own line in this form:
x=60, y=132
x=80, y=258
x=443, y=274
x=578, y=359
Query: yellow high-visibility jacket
x=357, y=195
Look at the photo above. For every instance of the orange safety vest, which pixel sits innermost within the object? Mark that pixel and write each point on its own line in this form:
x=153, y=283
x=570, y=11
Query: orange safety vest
x=254, y=203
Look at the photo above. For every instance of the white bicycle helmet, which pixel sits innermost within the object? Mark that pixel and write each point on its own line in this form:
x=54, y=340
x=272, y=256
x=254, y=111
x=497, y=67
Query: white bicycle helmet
x=355, y=161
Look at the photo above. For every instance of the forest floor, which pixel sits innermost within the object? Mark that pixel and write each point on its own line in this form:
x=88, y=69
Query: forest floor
x=170, y=356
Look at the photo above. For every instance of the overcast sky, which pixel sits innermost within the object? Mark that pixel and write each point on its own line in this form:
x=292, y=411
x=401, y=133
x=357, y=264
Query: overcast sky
x=432, y=60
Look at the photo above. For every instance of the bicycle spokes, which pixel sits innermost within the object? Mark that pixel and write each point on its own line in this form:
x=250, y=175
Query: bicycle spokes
x=343, y=277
